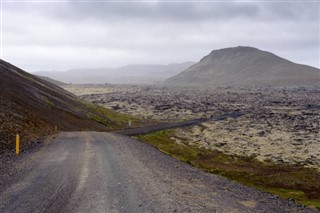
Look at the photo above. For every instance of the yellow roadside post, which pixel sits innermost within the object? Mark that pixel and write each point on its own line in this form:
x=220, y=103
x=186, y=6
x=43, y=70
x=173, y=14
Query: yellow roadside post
x=17, y=144
x=55, y=128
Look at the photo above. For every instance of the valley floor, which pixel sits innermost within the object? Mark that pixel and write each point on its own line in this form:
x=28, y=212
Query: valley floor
x=274, y=146
x=281, y=125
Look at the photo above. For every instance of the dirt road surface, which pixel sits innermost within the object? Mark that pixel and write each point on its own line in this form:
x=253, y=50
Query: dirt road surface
x=106, y=172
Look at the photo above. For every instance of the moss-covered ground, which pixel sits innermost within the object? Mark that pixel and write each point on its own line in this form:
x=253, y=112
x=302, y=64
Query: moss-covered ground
x=287, y=181
x=111, y=118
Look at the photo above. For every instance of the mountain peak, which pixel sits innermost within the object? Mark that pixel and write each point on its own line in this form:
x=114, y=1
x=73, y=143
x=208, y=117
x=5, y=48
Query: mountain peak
x=232, y=52
x=246, y=66
x=238, y=49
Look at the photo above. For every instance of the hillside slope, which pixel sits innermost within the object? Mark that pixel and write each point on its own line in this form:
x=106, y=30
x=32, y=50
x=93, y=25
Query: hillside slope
x=33, y=107
x=246, y=66
x=58, y=83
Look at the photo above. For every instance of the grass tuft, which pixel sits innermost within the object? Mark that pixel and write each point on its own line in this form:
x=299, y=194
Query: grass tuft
x=109, y=117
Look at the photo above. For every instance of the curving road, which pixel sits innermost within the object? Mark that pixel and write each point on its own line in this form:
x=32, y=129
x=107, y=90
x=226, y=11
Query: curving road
x=163, y=126
x=106, y=172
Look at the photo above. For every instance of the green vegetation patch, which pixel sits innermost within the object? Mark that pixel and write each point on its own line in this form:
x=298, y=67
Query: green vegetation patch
x=289, y=182
x=111, y=118
x=49, y=102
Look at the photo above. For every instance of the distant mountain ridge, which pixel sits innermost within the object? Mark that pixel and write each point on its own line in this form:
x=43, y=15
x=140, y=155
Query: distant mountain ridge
x=245, y=66
x=130, y=74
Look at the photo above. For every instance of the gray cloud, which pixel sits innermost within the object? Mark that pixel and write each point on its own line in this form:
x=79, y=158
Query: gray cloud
x=174, y=11
x=78, y=34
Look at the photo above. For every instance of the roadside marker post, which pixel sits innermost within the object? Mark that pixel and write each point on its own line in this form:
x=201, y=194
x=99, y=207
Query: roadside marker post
x=17, y=144
x=55, y=128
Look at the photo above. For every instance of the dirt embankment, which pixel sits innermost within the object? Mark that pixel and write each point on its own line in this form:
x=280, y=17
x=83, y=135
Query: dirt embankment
x=17, y=120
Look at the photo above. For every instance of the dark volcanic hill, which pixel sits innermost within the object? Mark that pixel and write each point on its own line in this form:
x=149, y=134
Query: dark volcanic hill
x=245, y=66
x=33, y=107
x=58, y=83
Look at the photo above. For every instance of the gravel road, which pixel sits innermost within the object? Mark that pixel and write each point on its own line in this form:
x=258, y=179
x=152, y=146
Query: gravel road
x=106, y=172
x=163, y=126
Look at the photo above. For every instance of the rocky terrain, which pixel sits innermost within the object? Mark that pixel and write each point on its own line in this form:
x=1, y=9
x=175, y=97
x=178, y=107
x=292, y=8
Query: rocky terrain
x=88, y=89
x=245, y=66
x=150, y=102
x=281, y=124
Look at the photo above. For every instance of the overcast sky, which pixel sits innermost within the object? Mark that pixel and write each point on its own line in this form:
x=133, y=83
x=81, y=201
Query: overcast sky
x=64, y=35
